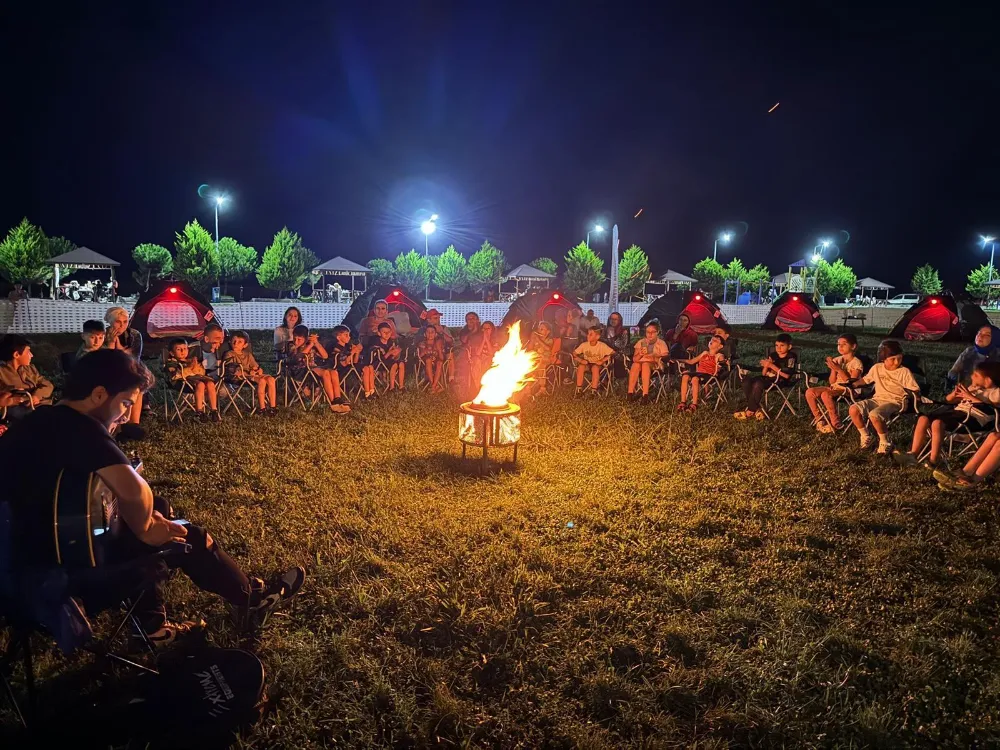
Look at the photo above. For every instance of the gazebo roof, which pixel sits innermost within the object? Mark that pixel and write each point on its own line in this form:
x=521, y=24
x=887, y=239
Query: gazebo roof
x=343, y=267
x=83, y=256
x=524, y=271
x=780, y=280
x=869, y=283
x=799, y=264
x=673, y=277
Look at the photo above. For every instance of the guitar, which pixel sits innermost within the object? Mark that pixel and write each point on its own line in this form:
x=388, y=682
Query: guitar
x=83, y=508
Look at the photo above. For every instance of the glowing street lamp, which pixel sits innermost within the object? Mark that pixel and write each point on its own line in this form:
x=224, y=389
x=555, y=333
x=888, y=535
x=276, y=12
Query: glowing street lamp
x=428, y=228
x=597, y=228
x=991, y=241
x=724, y=238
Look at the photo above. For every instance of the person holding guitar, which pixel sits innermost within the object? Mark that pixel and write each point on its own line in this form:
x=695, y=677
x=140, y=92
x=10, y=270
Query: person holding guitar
x=75, y=435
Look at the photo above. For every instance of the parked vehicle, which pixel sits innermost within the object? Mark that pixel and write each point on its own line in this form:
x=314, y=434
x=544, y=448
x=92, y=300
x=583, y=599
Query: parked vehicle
x=904, y=300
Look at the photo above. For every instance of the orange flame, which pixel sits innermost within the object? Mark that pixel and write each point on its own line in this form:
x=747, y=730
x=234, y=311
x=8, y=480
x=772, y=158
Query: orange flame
x=509, y=373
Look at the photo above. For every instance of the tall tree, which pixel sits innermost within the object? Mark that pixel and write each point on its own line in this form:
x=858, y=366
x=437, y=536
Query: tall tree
x=926, y=280
x=633, y=272
x=152, y=262
x=978, y=277
x=195, y=258
x=236, y=261
x=756, y=276
x=837, y=279
x=60, y=246
x=710, y=274
x=383, y=272
x=284, y=265
x=486, y=267
x=584, y=271
x=545, y=264
x=452, y=273
x=23, y=253
x=413, y=272
x=735, y=271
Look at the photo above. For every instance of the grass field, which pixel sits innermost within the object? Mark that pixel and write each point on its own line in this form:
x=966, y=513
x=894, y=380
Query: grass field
x=642, y=579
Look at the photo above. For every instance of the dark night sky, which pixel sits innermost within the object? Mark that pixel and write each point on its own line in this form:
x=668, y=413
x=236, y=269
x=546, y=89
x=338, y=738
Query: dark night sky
x=517, y=123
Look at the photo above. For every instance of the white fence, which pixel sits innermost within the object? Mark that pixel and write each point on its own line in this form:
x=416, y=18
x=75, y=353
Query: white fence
x=64, y=316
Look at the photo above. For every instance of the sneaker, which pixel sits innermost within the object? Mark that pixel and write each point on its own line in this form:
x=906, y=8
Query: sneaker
x=370, y=396
x=265, y=599
x=342, y=400
x=577, y=393
x=271, y=411
x=940, y=465
x=202, y=416
x=339, y=408
x=884, y=448
x=168, y=635
x=644, y=399
x=904, y=459
x=693, y=407
x=682, y=406
x=867, y=440
x=630, y=397
x=594, y=394
x=215, y=416
x=824, y=427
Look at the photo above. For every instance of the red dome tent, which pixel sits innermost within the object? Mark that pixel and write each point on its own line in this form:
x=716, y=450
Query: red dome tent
x=171, y=308
x=795, y=312
x=934, y=318
x=704, y=314
x=538, y=304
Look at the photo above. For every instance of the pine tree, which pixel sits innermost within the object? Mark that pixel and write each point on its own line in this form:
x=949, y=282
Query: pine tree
x=735, y=271
x=236, y=261
x=195, y=259
x=633, y=272
x=710, y=274
x=382, y=272
x=413, y=273
x=757, y=276
x=452, y=273
x=978, y=278
x=59, y=246
x=153, y=262
x=545, y=264
x=584, y=271
x=23, y=254
x=486, y=267
x=926, y=280
x=284, y=265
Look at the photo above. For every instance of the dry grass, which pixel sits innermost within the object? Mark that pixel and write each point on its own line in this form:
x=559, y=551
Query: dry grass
x=722, y=584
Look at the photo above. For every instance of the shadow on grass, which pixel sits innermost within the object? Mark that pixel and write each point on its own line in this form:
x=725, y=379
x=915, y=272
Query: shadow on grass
x=441, y=464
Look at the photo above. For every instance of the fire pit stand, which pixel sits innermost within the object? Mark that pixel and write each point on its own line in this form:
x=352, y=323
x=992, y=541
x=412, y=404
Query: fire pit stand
x=485, y=427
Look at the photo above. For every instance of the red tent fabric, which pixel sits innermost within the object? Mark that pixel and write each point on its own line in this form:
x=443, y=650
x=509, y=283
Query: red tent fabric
x=794, y=312
x=704, y=314
x=171, y=308
x=934, y=318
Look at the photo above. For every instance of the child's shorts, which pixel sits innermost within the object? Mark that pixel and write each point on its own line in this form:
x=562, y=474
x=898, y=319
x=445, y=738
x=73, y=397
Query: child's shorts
x=884, y=412
x=952, y=418
x=193, y=380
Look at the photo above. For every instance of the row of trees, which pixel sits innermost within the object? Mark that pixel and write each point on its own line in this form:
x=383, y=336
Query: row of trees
x=833, y=279
x=926, y=280
x=285, y=265
x=484, y=269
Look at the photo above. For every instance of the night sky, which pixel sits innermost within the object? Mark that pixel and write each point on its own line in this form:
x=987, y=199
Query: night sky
x=521, y=123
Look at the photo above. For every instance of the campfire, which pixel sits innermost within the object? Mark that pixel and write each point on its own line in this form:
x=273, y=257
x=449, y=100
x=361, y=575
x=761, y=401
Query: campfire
x=490, y=420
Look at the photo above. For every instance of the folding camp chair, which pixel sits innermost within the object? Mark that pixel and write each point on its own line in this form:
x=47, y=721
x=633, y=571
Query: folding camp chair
x=422, y=381
x=714, y=387
x=967, y=436
x=239, y=391
x=178, y=396
x=307, y=389
x=792, y=387
x=662, y=378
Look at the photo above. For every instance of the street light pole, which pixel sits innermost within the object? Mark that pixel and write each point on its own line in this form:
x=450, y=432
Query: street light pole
x=724, y=239
x=597, y=228
x=428, y=228
x=993, y=246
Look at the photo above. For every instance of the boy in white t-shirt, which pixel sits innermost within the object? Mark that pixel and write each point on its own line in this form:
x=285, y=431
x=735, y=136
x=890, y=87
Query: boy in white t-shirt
x=592, y=354
x=845, y=367
x=892, y=382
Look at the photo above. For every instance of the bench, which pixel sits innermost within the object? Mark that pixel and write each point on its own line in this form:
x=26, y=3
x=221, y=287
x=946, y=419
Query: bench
x=851, y=316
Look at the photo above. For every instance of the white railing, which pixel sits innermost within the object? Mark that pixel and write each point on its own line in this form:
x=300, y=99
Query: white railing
x=64, y=316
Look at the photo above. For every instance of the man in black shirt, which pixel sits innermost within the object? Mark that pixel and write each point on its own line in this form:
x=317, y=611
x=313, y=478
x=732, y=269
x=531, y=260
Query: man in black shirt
x=75, y=434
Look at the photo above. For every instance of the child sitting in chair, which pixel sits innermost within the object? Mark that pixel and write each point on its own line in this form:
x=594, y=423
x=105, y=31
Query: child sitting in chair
x=180, y=367
x=707, y=364
x=431, y=352
x=892, y=381
x=93, y=338
x=307, y=354
x=845, y=368
x=593, y=354
x=647, y=357
x=779, y=367
x=390, y=354
x=240, y=364
x=984, y=390
x=19, y=378
x=342, y=354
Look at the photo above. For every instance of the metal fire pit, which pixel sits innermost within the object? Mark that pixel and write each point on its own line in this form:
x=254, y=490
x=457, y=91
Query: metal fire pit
x=485, y=427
